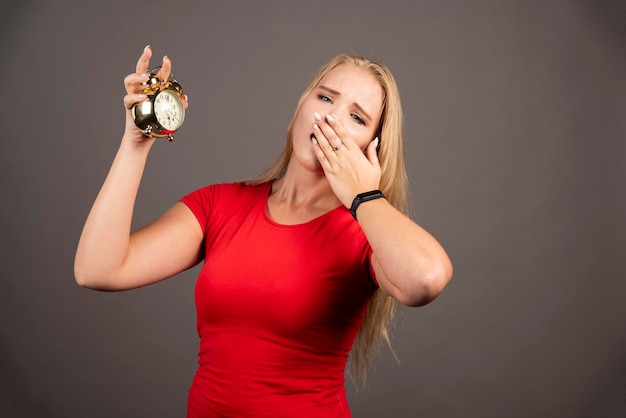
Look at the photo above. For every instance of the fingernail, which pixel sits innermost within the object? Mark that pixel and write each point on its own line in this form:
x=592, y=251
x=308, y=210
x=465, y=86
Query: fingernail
x=313, y=139
x=315, y=127
x=165, y=57
x=146, y=48
x=186, y=98
x=376, y=140
x=145, y=74
x=317, y=116
x=141, y=96
x=329, y=118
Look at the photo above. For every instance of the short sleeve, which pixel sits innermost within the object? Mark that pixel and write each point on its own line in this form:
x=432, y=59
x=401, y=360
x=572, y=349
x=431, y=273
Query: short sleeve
x=200, y=202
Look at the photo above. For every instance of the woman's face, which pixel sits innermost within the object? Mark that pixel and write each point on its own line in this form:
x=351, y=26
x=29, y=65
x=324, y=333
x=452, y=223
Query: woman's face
x=354, y=98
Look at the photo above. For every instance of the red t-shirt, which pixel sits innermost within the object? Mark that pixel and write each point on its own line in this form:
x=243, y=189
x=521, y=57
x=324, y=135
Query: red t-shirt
x=278, y=307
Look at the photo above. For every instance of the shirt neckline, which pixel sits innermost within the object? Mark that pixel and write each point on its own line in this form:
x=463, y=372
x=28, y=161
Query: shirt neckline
x=267, y=217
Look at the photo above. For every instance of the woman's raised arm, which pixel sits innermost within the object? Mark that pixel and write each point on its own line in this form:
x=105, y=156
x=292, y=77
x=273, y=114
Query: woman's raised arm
x=108, y=256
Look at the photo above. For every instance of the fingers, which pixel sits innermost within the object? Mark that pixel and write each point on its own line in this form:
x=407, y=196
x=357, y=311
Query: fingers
x=143, y=64
x=134, y=82
x=144, y=60
x=326, y=149
x=166, y=68
x=334, y=132
x=132, y=99
x=371, y=153
x=335, y=146
x=350, y=166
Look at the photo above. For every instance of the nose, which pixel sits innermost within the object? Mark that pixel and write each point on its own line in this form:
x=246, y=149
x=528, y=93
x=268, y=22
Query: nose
x=338, y=110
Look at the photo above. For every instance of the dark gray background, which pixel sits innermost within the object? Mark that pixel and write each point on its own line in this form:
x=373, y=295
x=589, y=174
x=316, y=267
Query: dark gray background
x=515, y=122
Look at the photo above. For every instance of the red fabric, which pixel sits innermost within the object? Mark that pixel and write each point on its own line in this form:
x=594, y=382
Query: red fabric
x=278, y=307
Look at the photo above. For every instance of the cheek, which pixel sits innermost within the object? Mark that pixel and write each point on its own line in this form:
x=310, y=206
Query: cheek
x=304, y=120
x=361, y=136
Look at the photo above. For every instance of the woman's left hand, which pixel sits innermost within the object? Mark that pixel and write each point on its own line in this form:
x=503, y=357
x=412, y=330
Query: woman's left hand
x=348, y=169
x=409, y=264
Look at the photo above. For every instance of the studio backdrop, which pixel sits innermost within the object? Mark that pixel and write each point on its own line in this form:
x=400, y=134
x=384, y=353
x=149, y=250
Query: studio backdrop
x=515, y=130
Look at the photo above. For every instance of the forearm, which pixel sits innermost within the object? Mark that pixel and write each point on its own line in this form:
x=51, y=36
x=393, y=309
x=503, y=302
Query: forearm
x=411, y=265
x=104, y=242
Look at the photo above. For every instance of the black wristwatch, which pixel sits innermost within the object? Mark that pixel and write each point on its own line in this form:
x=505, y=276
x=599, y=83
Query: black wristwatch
x=364, y=197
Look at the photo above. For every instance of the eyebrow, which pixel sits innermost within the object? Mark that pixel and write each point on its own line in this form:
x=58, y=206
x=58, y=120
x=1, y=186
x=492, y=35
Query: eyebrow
x=336, y=93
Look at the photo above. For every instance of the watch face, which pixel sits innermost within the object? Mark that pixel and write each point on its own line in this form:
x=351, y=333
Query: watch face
x=169, y=110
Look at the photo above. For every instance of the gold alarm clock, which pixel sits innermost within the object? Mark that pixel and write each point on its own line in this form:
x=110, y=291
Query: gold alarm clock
x=162, y=113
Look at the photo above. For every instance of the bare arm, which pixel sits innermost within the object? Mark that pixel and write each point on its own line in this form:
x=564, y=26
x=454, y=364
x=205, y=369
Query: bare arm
x=108, y=256
x=409, y=263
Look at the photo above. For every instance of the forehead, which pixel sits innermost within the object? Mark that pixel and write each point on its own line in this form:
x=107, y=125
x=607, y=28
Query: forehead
x=357, y=85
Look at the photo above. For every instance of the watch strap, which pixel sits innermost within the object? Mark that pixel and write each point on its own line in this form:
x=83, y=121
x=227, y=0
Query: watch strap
x=364, y=197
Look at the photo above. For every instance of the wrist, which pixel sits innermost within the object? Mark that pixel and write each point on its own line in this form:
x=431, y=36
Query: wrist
x=137, y=141
x=363, y=198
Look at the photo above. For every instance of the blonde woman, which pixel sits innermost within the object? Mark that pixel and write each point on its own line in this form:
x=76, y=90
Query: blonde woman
x=300, y=264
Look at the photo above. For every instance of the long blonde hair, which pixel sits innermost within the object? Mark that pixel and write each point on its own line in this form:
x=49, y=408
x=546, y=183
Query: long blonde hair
x=393, y=183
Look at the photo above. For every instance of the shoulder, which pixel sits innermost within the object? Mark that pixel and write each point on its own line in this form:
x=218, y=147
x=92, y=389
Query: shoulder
x=208, y=198
x=217, y=203
x=226, y=190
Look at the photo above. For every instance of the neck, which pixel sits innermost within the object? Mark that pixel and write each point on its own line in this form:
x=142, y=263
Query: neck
x=302, y=189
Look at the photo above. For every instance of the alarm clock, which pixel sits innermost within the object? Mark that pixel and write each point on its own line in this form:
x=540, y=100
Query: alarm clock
x=162, y=113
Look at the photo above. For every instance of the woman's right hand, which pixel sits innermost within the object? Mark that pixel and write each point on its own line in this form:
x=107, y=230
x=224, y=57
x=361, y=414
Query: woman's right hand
x=109, y=256
x=134, y=87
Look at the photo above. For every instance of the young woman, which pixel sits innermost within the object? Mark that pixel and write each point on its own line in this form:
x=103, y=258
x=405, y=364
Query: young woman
x=297, y=262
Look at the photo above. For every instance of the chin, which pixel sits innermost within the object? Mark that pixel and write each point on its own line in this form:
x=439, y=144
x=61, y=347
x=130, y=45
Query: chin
x=304, y=156
x=314, y=166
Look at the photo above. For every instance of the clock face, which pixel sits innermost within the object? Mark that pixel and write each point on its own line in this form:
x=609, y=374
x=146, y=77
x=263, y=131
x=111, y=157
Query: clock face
x=169, y=110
